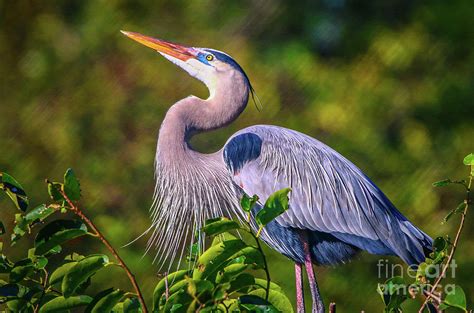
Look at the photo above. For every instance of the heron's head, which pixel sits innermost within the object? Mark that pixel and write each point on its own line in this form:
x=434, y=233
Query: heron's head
x=207, y=65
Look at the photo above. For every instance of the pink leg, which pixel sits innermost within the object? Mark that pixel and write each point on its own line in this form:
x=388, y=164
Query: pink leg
x=318, y=306
x=299, y=288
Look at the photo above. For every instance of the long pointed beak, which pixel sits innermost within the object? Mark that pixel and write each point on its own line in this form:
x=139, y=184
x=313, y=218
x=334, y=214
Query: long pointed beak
x=180, y=52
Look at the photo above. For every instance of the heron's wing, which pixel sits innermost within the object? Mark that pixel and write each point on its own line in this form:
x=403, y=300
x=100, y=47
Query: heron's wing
x=329, y=193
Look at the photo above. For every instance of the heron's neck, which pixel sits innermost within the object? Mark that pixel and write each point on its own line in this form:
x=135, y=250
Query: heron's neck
x=192, y=115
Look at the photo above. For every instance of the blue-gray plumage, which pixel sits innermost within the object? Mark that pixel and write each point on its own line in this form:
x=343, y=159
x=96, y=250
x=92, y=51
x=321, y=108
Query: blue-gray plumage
x=331, y=197
x=334, y=210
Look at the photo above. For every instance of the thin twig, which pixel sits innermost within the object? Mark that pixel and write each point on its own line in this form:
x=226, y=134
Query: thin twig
x=101, y=237
x=454, y=246
x=45, y=282
x=265, y=264
x=167, y=291
x=433, y=296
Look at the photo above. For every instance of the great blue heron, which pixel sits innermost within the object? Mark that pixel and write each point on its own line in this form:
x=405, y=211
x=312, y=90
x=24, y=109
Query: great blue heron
x=334, y=210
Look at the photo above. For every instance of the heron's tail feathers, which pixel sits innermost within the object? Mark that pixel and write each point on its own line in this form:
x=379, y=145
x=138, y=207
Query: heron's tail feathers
x=416, y=244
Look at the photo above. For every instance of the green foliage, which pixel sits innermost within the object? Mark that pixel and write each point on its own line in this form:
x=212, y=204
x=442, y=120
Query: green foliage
x=430, y=273
x=219, y=225
x=14, y=190
x=393, y=293
x=247, y=202
x=54, y=191
x=456, y=299
x=222, y=278
x=63, y=304
x=35, y=285
x=72, y=188
x=387, y=83
x=58, y=232
x=81, y=271
x=276, y=204
x=105, y=301
x=469, y=160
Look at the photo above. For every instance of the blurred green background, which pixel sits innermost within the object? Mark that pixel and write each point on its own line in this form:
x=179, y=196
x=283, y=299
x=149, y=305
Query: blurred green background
x=389, y=84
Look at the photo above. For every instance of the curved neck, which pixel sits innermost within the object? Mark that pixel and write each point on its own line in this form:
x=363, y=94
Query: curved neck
x=192, y=115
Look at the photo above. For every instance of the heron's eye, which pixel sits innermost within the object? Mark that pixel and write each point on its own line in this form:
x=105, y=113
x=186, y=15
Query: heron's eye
x=209, y=57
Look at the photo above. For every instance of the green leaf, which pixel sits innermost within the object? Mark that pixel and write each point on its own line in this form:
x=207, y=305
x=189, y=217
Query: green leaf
x=24, y=222
x=469, y=159
x=14, y=190
x=19, y=305
x=220, y=292
x=55, y=250
x=247, y=202
x=279, y=300
x=131, y=305
x=81, y=271
x=214, y=258
x=41, y=262
x=21, y=269
x=222, y=237
x=458, y=210
x=58, y=232
x=229, y=272
x=32, y=291
x=442, y=183
x=456, y=298
x=73, y=257
x=219, y=225
x=104, y=301
x=275, y=205
x=178, y=302
x=20, y=229
x=196, y=288
x=242, y=282
x=194, y=252
x=263, y=284
x=161, y=286
x=12, y=290
x=256, y=304
x=58, y=275
x=62, y=304
x=5, y=264
x=54, y=191
x=178, y=285
x=393, y=293
x=250, y=255
x=440, y=244
x=40, y=213
x=72, y=188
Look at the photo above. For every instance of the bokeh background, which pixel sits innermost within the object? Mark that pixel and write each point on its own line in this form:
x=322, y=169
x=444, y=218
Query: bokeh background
x=389, y=84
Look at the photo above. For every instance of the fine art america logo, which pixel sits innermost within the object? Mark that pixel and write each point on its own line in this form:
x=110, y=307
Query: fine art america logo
x=420, y=275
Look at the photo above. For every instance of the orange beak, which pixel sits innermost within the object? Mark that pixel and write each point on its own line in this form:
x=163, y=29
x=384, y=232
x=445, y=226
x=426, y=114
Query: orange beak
x=180, y=52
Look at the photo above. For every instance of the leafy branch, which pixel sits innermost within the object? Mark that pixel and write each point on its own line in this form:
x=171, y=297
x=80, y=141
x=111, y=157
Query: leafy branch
x=32, y=287
x=275, y=205
x=462, y=209
x=394, y=290
x=76, y=210
x=220, y=279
